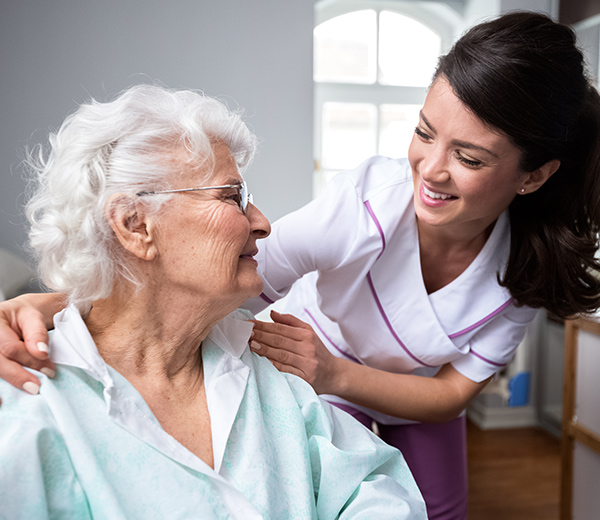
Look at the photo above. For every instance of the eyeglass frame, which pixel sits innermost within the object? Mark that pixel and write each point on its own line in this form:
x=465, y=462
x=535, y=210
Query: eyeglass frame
x=245, y=196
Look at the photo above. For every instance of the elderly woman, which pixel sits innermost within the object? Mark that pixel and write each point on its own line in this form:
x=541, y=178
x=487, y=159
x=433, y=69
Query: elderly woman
x=158, y=408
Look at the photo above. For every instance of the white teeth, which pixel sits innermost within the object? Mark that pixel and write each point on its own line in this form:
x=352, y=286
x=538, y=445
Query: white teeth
x=433, y=195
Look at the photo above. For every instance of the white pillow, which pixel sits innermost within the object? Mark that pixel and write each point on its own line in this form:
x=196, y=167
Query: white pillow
x=14, y=274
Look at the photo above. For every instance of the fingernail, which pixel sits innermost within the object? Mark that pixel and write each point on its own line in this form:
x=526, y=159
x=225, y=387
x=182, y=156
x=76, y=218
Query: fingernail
x=31, y=388
x=48, y=371
x=42, y=347
x=255, y=345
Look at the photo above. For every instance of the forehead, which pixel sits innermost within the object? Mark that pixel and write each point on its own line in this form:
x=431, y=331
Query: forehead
x=225, y=168
x=455, y=124
x=444, y=109
x=221, y=168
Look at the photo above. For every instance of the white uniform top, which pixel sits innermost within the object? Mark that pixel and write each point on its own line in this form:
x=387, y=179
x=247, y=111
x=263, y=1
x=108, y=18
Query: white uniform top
x=90, y=447
x=355, y=254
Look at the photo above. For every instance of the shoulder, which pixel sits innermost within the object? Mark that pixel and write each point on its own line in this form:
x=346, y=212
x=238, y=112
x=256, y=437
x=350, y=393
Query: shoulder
x=31, y=438
x=274, y=385
x=372, y=197
x=26, y=421
x=297, y=401
x=320, y=417
x=377, y=174
x=18, y=405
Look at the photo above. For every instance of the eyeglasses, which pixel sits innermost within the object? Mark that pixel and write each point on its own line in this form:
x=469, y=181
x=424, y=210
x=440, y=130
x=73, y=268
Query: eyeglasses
x=242, y=198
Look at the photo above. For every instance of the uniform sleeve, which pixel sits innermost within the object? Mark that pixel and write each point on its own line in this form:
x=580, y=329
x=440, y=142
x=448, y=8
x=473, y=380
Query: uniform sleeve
x=37, y=479
x=318, y=236
x=494, y=346
x=355, y=474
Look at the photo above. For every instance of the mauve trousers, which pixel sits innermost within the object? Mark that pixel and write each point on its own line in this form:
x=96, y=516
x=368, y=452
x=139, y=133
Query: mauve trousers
x=437, y=457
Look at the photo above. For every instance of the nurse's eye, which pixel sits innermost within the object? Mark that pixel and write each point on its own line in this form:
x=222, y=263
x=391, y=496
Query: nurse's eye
x=473, y=163
x=422, y=134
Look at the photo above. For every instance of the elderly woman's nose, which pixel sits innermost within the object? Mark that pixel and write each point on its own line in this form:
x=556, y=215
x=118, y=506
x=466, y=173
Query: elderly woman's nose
x=261, y=227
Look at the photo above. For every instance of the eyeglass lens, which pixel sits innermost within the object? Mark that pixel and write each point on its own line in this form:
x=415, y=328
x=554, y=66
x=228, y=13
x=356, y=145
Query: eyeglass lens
x=246, y=198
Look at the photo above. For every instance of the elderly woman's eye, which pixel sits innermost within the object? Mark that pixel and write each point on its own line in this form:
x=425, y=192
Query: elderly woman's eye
x=234, y=197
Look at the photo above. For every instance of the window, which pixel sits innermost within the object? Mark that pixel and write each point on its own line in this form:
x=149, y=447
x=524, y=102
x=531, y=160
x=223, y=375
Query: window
x=371, y=71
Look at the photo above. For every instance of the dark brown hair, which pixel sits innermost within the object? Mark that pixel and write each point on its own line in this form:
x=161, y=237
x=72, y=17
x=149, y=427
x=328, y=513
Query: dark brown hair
x=523, y=74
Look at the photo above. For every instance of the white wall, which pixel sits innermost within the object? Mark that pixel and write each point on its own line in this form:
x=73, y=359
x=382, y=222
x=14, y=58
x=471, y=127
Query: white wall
x=478, y=10
x=550, y=7
x=55, y=54
x=588, y=38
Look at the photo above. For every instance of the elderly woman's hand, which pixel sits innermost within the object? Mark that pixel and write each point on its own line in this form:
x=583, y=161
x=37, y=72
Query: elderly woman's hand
x=293, y=347
x=24, y=338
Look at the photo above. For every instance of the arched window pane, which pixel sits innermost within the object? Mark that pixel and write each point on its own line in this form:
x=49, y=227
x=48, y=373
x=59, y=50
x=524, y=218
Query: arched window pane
x=408, y=51
x=349, y=134
x=345, y=48
x=396, y=128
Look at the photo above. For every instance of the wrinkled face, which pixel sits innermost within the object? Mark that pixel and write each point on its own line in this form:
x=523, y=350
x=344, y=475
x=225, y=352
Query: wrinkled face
x=205, y=242
x=465, y=174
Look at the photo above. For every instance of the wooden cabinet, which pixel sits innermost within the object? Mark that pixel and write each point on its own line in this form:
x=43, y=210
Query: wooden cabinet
x=580, y=486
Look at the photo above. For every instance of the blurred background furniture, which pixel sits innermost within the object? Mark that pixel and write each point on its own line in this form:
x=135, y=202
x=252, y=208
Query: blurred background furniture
x=581, y=421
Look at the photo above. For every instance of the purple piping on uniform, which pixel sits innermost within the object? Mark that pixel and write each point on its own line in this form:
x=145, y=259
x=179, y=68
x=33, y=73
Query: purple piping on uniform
x=387, y=321
x=378, y=225
x=266, y=298
x=487, y=360
x=351, y=358
x=481, y=321
x=389, y=325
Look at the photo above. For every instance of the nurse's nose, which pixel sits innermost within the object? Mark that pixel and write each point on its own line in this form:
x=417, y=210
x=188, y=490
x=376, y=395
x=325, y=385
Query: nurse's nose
x=434, y=165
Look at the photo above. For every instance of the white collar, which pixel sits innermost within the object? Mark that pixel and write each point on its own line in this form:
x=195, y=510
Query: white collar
x=231, y=334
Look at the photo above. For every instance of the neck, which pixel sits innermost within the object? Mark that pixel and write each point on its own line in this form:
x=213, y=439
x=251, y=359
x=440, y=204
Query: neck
x=154, y=340
x=150, y=337
x=454, y=238
x=445, y=255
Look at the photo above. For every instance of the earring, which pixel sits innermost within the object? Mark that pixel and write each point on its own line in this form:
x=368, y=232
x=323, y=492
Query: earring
x=522, y=191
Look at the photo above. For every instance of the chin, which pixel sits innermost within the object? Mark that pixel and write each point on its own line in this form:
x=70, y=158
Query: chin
x=253, y=288
x=257, y=290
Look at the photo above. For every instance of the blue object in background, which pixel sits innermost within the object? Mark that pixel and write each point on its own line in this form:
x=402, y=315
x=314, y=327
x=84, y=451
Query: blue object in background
x=518, y=387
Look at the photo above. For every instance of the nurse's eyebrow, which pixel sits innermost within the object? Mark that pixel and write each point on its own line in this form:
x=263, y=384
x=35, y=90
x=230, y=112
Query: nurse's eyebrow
x=456, y=142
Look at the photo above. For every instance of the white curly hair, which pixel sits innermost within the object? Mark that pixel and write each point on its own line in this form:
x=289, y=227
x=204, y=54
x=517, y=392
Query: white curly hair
x=126, y=146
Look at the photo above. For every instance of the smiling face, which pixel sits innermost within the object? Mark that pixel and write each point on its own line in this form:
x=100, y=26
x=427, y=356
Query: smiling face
x=465, y=174
x=205, y=242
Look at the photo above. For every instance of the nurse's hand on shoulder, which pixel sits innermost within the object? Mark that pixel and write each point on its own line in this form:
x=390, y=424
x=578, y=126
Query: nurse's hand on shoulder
x=24, y=342
x=292, y=346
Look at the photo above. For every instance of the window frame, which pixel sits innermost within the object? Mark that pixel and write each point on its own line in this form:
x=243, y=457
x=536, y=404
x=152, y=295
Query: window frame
x=439, y=17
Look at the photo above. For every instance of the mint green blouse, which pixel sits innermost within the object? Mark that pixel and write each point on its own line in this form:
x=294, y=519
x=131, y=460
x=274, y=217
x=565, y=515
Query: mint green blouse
x=88, y=446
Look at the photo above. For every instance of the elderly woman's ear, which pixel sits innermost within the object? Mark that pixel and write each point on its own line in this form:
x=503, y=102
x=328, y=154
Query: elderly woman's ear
x=132, y=224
